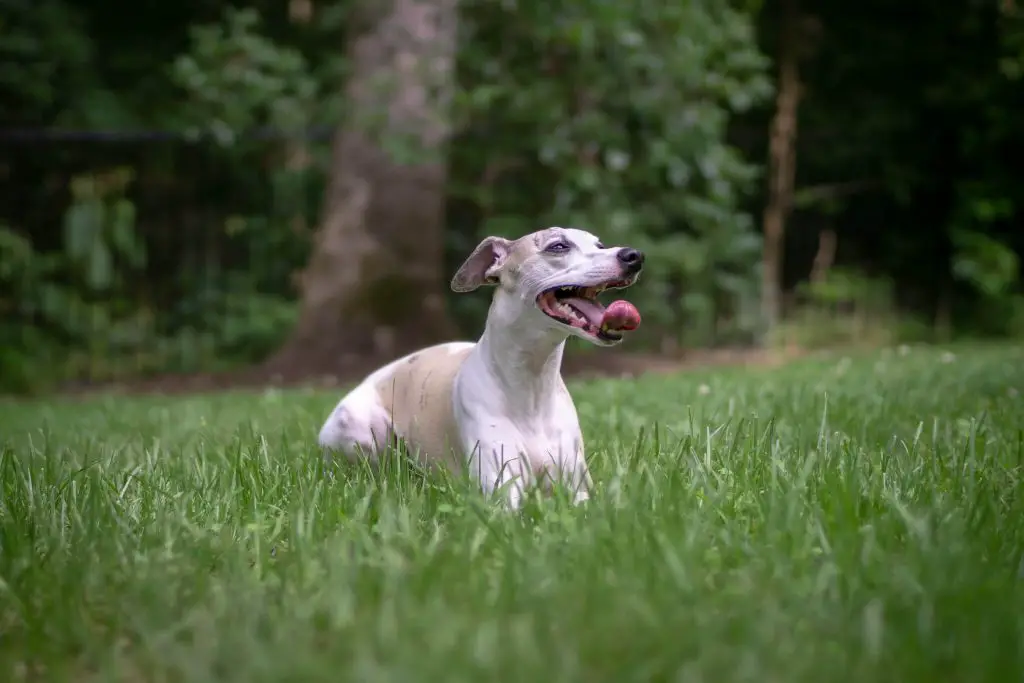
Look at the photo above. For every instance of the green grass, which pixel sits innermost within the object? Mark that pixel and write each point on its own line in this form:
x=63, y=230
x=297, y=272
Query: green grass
x=834, y=520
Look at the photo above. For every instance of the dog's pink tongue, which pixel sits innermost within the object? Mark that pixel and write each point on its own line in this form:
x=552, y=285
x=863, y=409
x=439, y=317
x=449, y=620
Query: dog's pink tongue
x=621, y=315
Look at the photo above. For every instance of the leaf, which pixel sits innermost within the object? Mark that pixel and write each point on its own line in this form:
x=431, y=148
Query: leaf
x=83, y=226
x=986, y=263
x=733, y=283
x=15, y=254
x=99, y=274
x=123, y=235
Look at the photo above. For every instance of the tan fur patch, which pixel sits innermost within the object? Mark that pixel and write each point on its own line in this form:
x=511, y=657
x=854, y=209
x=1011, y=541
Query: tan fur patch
x=418, y=396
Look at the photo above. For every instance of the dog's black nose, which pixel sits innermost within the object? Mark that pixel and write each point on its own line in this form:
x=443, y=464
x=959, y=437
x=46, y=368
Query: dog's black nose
x=631, y=259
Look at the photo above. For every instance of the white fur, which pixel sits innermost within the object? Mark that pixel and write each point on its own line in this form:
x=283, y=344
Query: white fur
x=514, y=419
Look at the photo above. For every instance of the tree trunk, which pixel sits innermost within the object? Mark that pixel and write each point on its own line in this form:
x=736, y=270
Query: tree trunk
x=297, y=157
x=374, y=284
x=781, y=164
x=825, y=256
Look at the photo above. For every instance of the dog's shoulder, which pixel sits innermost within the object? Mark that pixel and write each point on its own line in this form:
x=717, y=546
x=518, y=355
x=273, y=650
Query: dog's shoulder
x=416, y=391
x=423, y=373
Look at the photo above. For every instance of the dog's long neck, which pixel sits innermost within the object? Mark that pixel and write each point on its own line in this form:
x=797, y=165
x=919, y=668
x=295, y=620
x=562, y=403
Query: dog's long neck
x=524, y=359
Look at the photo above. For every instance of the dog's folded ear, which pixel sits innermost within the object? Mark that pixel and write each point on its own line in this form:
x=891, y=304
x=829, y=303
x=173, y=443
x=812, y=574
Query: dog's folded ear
x=483, y=265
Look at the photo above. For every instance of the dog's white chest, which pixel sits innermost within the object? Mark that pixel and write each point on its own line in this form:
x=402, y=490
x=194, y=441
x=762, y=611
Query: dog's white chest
x=544, y=435
x=547, y=442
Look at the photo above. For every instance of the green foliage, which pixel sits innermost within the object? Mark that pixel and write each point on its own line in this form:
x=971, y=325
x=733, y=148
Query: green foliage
x=645, y=123
x=226, y=320
x=613, y=118
x=45, y=58
x=844, y=286
x=76, y=313
x=236, y=78
x=26, y=294
x=986, y=263
x=617, y=115
x=847, y=308
x=76, y=302
x=1011, y=40
x=99, y=228
x=65, y=319
x=916, y=140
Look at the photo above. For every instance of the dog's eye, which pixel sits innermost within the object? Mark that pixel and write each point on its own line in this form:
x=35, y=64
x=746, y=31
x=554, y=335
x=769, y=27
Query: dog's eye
x=557, y=247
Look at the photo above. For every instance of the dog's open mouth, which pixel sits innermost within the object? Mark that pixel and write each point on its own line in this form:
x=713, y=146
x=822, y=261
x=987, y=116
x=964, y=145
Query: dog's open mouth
x=578, y=307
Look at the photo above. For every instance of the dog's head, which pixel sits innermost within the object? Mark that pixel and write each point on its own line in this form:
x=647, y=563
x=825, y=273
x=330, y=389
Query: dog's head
x=558, y=274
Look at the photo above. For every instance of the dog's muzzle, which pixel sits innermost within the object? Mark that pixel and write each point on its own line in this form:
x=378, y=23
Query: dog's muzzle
x=578, y=307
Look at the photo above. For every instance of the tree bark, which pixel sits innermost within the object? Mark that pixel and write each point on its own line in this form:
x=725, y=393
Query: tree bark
x=374, y=283
x=297, y=157
x=781, y=164
x=825, y=257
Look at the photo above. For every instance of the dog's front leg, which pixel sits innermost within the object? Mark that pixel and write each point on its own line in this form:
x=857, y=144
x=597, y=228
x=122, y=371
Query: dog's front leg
x=573, y=474
x=497, y=465
x=582, y=480
x=492, y=445
x=582, y=494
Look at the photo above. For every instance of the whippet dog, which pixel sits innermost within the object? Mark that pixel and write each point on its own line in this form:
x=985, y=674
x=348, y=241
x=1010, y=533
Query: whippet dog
x=499, y=407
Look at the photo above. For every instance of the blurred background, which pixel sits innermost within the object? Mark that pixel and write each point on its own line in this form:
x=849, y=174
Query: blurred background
x=280, y=190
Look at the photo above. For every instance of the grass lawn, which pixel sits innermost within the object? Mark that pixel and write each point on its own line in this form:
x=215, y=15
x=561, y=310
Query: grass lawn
x=830, y=521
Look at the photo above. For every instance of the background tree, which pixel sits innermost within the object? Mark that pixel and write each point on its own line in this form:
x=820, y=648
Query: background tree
x=373, y=284
x=153, y=212
x=781, y=158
